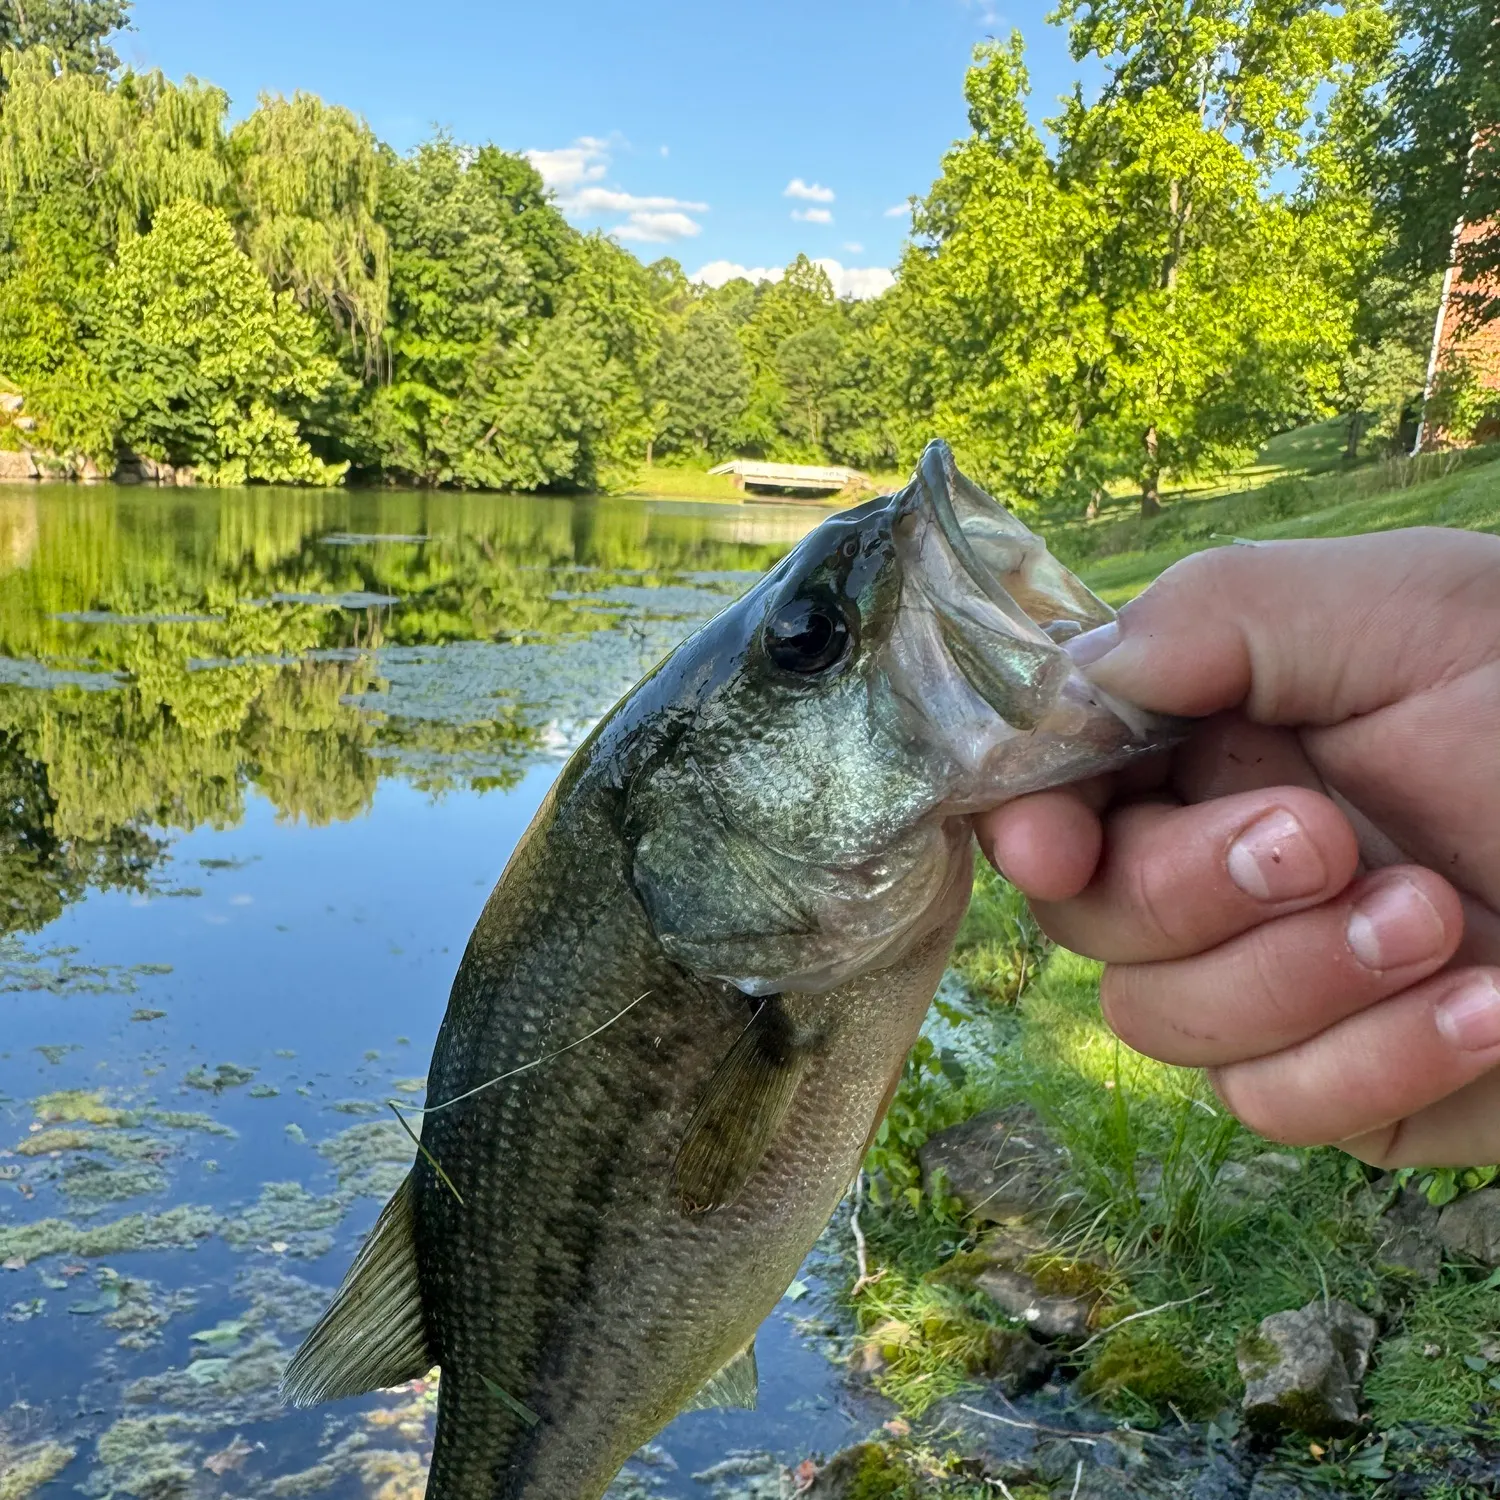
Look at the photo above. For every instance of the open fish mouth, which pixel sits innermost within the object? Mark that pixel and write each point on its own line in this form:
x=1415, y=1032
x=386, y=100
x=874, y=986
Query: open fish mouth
x=986, y=587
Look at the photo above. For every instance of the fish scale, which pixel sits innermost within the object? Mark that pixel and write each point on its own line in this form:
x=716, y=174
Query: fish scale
x=690, y=996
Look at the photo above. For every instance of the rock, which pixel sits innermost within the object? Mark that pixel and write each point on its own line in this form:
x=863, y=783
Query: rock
x=1000, y=1165
x=1408, y=1231
x=15, y=466
x=1302, y=1369
x=1014, y=1360
x=1063, y=1318
x=11, y=401
x=1472, y=1226
x=867, y=1471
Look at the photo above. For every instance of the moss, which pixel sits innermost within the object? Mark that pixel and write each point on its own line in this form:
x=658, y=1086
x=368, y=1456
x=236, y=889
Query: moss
x=1058, y=1276
x=1142, y=1363
x=1256, y=1354
x=868, y=1471
x=77, y=1106
x=25, y=1470
x=174, y=1229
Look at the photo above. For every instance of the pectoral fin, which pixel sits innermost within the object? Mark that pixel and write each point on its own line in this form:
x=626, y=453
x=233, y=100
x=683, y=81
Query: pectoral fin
x=737, y=1384
x=741, y=1110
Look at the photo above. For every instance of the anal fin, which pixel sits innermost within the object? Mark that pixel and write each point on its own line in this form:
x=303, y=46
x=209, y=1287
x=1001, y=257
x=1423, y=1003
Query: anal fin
x=736, y=1384
x=741, y=1110
x=373, y=1334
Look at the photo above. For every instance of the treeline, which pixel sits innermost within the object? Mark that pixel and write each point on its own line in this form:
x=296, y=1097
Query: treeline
x=1246, y=230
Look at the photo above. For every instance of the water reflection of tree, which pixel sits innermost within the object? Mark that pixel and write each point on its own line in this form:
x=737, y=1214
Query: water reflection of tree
x=42, y=869
x=247, y=698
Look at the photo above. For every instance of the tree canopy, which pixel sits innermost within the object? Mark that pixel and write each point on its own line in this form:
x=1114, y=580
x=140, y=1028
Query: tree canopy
x=1242, y=230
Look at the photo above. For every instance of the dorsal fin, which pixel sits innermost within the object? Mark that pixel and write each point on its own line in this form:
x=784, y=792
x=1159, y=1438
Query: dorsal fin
x=741, y=1110
x=737, y=1384
x=373, y=1334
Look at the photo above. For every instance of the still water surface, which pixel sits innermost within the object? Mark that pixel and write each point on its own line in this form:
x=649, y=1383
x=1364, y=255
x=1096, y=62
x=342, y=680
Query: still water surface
x=262, y=756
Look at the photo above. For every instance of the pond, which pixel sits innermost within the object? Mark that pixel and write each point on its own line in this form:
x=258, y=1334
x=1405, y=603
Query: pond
x=262, y=756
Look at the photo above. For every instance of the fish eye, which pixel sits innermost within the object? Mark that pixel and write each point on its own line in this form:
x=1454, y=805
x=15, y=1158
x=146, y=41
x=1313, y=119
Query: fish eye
x=807, y=634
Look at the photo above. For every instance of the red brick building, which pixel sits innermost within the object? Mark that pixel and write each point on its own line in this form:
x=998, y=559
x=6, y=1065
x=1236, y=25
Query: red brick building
x=1454, y=339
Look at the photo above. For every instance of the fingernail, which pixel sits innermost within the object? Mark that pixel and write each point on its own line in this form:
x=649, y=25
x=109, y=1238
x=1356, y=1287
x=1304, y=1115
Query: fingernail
x=1087, y=648
x=1470, y=1017
x=1394, y=925
x=1274, y=860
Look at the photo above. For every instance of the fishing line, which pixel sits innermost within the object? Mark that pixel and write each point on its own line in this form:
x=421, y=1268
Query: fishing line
x=536, y=1062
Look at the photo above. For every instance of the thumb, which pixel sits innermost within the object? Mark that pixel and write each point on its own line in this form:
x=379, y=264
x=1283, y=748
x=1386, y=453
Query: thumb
x=1307, y=632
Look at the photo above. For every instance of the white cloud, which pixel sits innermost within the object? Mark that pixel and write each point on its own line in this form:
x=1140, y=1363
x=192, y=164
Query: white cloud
x=567, y=168
x=666, y=151
x=898, y=210
x=854, y=247
x=717, y=272
x=811, y=192
x=858, y=282
x=597, y=200
x=657, y=228
x=575, y=175
x=812, y=215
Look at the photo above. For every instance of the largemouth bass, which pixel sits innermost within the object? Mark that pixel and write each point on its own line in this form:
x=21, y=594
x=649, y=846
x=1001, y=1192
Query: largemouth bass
x=688, y=1000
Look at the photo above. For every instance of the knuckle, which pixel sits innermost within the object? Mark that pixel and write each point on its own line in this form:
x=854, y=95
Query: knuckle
x=1151, y=886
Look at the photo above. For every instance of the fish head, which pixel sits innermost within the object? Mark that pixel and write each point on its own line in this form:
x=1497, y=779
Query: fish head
x=901, y=668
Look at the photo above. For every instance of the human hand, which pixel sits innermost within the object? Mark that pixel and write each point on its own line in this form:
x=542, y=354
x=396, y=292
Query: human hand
x=1223, y=886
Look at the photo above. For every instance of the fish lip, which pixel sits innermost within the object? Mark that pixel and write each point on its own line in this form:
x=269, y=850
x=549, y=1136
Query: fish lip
x=933, y=483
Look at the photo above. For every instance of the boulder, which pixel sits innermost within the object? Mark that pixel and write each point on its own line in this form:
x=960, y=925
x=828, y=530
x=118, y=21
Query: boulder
x=1471, y=1226
x=1063, y=1318
x=1302, y=1369
x=11, y=402
x=15, y=466
x=1000, y=1165
x=1408, y=1236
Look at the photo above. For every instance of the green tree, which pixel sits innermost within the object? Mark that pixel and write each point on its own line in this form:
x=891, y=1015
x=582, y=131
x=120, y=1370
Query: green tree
x=307, y=179
x=204, y=359
x=73, y=31
x=121, y=149
x=702, y=380
x=1437, y=155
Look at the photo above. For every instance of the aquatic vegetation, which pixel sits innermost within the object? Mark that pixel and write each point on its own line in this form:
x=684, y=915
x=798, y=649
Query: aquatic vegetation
x=181, y=1119
x=285, y=1214
x=138, y=1456
x=88, y=1182
x=370, y=1159
x=224, y=1076
x=24, y=1470
x=80, y=1106
x=176, y=1228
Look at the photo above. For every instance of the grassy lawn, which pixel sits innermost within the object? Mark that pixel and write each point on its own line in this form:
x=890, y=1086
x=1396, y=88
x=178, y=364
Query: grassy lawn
x=1119, y=558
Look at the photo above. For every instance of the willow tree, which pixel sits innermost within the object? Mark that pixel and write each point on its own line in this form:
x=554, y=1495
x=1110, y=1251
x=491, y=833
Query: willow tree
x=307, y=181
x=119, y=150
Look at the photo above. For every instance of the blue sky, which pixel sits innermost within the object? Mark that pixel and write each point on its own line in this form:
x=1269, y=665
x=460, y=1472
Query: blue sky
x=716, y=133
